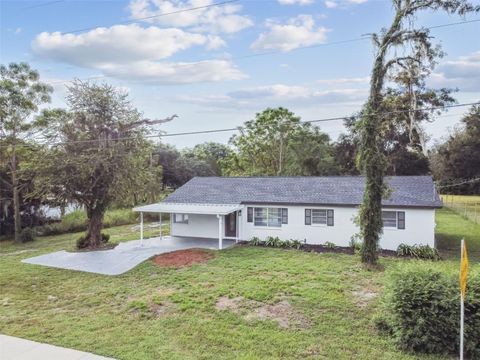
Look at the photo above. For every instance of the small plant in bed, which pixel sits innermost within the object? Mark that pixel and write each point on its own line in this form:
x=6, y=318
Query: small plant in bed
x=256, y=241
x=418, y=252
x=329, y=245
x=273, y=241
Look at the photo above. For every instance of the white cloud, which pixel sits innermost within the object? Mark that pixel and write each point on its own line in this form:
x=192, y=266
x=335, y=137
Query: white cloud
x=297, y=32
x=120, y=44
x=342, y=81
x=330, y=4
x=135, y=53
x=216, y=19
x=462, y=73
x=296, y=2
x=174, y=73
x=277, y=95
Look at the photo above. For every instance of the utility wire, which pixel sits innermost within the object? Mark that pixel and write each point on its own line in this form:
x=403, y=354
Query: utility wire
x=163, y=135
x=241, y=57
x=460, y=183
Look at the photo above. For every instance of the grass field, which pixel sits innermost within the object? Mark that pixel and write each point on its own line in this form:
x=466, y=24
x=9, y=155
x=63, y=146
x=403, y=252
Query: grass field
x=164, y=313
x=466, y=205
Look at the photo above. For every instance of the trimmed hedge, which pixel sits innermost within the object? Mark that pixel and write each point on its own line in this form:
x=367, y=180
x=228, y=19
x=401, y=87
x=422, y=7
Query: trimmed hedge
x=421, y=311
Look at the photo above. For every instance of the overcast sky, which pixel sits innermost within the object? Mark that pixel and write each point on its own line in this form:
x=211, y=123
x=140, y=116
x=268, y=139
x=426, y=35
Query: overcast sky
x=204, y=66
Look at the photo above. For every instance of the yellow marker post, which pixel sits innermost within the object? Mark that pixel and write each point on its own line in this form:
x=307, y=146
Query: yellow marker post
x=463, y=289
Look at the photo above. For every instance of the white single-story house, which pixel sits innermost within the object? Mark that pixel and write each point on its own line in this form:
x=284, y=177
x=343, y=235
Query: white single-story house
x=310, y=209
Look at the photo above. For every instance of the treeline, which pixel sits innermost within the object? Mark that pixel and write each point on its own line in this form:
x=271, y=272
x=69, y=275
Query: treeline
x=277, y=143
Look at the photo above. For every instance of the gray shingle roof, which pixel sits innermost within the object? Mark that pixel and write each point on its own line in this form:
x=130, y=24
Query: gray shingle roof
x=411, y=191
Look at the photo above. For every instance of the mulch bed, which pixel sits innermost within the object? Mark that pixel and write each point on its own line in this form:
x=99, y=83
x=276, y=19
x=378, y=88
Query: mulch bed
x=182, y=258
x=318, y=248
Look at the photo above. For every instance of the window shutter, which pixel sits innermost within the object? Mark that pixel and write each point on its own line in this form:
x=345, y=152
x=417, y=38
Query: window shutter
x=308, y=217
x=284, y=216
x=250, y=214
x=329, y=217
x=401, y=220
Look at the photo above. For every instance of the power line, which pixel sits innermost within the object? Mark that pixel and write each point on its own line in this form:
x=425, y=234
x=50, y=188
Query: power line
x=460, y=183
x=47, y=3
x=154, y=16
x=339, y=118
x=241, y=57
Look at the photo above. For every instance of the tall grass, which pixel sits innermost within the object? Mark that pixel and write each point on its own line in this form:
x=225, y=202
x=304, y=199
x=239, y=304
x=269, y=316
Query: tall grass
x=77, y=221
x=466, y=205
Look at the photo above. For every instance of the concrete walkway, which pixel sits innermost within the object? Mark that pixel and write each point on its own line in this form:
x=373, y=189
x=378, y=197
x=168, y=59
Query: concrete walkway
x=13, y=348
x=124, y=257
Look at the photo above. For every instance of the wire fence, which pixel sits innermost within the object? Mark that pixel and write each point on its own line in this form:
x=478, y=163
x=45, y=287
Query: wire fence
x=467, y=206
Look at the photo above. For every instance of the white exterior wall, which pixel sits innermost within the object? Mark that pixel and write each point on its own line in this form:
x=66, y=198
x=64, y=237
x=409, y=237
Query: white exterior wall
x=205, y=226
x=419, y=227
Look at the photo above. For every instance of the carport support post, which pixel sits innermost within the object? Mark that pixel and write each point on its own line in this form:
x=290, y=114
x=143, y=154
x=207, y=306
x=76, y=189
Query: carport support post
x=141, y=228
x=160, y=215
x=219, y=231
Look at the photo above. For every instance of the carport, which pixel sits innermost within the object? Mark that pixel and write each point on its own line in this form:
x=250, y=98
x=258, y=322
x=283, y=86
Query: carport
x=218, y=210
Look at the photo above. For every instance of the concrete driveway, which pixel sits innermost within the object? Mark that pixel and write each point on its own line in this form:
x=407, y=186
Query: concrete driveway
x=13, y=348
x=124, y=257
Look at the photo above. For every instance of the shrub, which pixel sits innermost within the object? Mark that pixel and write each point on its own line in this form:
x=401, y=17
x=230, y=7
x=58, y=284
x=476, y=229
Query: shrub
x=273, y=241
x=355, y=244
x=418, y=252
x=27, y=235
x=421, y=310
x=296, y=244
x=329, y=245
x=82, y=242
x=105, y=238
x=255, y=241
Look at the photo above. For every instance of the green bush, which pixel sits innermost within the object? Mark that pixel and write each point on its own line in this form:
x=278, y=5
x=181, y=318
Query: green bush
x=421, y=311
x=27, y=235
x=105, y=238
x=256, y=241
x=273, y=241
x=82, y=242
x=418, y=252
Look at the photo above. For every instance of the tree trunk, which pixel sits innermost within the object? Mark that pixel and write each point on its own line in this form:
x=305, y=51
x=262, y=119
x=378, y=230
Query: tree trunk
x=94, y=228
x=16, y=196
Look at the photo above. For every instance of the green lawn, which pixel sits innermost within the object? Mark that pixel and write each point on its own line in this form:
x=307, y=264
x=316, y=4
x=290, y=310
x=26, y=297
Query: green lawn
x=451, y=228
x=159, y=313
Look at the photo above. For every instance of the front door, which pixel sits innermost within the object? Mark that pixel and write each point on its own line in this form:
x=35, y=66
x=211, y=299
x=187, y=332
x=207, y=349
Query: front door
x=231, y=225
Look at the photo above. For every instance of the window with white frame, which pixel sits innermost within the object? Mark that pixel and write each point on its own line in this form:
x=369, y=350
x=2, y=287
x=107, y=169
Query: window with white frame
x=268, y=217
x=393, y=219
x=180, y=218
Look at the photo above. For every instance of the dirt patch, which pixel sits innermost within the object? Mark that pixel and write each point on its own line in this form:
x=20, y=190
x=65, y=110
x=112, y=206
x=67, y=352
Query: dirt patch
x=283, y=312
x=181, y=258
x=364, y=296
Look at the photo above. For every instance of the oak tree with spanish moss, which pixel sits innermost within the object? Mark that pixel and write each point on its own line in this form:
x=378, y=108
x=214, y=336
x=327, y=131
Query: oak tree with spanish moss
x=401, y=45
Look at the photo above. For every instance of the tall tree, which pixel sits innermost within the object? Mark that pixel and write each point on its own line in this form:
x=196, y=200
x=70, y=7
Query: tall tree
x=214, y=154
x=414, y=46
x=276, y=143
x=21, y=93
x=457, y=160
x=99, y=151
